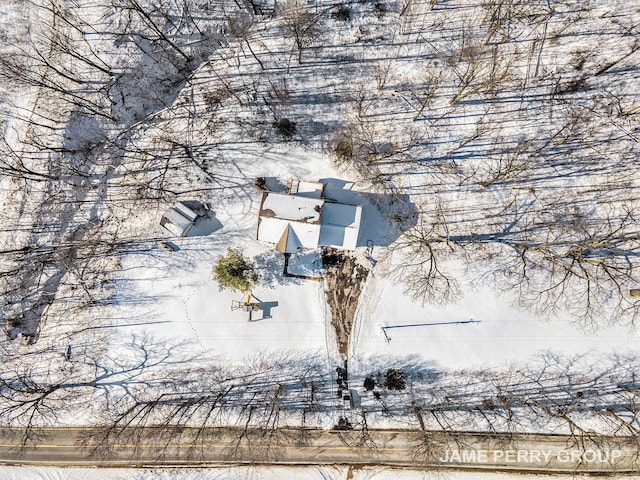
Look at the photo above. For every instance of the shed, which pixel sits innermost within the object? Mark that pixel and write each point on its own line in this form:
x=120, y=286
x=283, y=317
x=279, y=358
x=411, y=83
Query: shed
x=179, y=219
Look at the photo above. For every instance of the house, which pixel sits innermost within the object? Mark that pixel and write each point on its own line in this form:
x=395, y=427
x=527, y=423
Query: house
x=303, y=218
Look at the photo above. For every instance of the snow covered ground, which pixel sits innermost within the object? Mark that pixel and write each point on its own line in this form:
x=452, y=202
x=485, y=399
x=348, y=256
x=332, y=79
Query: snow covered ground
x=498, y=335
x=173, y=295
x=264, y=473
x=466, y=119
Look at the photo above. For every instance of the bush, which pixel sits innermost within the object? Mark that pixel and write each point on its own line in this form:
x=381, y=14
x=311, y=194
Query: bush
x=380, y=8
x=234, y=271
x=343, y=424
x=239, y=25
x=261, y=184
x=344, y=150
x=487, y=404
x=369, y=383
x=286, y=127
x=395, y=379
x=342, y=13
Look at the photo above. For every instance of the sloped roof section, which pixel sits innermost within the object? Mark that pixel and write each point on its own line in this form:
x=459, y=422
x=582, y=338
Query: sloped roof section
x=272, y=229
x=340, y=225
x=179, y=219
x=281, y=246
x=289, y=241
x=306, y=189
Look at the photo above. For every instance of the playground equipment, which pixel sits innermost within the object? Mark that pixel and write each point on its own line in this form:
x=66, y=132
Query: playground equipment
x=245, y=306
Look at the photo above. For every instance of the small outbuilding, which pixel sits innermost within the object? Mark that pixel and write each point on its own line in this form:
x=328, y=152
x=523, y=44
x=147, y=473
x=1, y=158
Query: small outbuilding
x=179, y=219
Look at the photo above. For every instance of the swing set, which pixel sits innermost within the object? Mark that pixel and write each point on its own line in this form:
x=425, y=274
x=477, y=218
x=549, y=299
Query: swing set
x=245, y=306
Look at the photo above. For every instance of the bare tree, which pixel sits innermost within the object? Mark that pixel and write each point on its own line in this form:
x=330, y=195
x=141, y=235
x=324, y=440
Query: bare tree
x=299, y=23
x=424, y=249
x=570, y=260
x=583, y=265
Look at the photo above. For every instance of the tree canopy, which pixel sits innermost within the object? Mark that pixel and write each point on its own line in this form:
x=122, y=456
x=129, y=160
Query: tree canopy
x=234, y=271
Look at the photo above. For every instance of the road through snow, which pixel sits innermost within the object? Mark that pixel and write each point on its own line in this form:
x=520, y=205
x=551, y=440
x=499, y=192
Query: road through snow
x=495, y=452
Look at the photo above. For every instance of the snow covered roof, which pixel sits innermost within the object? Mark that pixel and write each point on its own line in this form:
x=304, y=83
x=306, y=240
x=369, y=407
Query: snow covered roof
x=295, y=222
x=303, y=188
x=291, y=207
x=340, y=225
x=290, y=221
x=179, y=219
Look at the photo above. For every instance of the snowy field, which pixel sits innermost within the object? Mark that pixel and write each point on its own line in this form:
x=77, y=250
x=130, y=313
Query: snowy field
x=265, y=473
x=181, y=301
x=497, y=334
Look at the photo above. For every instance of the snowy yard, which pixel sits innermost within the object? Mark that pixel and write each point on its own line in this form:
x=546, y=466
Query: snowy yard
x=264, y=473
x=172, y=295
x=500, y=335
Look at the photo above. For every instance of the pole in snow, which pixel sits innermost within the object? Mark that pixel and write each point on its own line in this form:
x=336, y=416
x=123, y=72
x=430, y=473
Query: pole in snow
x=433, y=324
x=384, y=332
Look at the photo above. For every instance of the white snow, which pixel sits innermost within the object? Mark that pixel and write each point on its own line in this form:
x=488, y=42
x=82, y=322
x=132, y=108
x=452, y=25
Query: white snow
x=552, y=143
x=305, y=188
x=267, y=473
x=340, y=225
x=300, y=214
x=312, y=221
x=503, y=335
x=178, y=219
x=291, y=207
x=172, y=294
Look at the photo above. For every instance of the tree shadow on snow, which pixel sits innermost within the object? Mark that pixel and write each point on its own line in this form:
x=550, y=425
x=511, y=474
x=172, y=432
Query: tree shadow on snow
x=270, y=267
x=384, y=216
